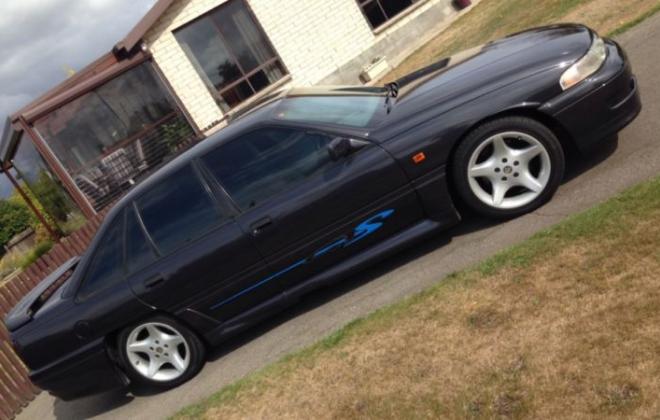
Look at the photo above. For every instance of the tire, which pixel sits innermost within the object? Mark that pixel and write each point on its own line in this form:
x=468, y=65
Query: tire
x=508, y=167
x=160, y=352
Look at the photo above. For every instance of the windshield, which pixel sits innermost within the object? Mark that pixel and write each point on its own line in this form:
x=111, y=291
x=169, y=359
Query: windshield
x=347, y=110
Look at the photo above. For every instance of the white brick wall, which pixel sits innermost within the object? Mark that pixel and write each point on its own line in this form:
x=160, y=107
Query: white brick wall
x=175, y=65
x=313, y=37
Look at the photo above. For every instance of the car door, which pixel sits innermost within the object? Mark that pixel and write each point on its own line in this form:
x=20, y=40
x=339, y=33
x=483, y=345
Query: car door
x=185, y=250
x=304, y=210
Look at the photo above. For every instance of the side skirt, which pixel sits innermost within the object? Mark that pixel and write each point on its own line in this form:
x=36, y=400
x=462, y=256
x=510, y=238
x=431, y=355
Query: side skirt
x=334, y=274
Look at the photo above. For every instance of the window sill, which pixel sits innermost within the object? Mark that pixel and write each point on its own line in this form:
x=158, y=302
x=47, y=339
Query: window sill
x=387, y=25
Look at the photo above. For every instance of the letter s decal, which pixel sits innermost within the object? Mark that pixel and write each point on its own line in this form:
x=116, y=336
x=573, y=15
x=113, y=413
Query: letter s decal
x=369, y=226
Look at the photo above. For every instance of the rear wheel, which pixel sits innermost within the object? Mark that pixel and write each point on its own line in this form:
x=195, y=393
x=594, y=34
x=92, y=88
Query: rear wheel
x=160, y=352
x=508, y=167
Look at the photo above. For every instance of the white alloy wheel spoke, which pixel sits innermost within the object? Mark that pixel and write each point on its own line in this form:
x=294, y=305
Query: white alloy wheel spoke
x=484, y=169
x=154, y=332
x=528, y=153
x=528, y=181
x=500, y=148
x=140, y=346
x=154, y=367
x=172, y=340
x=177, y=361
x=499, y=191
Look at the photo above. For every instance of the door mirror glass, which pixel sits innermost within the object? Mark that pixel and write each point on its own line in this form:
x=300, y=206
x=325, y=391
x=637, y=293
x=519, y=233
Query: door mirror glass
x=341, y=147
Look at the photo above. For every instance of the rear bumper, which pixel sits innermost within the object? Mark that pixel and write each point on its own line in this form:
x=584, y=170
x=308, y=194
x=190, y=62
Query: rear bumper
x=601, y=105
x=88, y=372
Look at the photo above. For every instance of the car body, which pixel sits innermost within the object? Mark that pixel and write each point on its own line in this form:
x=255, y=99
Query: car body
x=263, y=234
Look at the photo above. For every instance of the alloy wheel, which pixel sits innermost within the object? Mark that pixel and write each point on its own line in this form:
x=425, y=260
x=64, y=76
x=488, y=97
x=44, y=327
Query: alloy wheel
x=508, y=170
x=158, y=352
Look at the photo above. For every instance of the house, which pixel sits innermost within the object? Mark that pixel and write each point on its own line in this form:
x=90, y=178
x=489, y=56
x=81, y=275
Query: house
x=182, y=72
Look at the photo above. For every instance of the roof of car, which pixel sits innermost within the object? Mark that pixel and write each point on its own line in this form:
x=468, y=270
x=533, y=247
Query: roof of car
x=260, y=111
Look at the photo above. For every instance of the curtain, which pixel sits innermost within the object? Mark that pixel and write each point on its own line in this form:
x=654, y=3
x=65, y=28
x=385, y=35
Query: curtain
x=257, y=44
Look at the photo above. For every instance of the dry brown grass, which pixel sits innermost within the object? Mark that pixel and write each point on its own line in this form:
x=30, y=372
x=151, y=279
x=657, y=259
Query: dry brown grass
x=565, y=326
x=492, y=19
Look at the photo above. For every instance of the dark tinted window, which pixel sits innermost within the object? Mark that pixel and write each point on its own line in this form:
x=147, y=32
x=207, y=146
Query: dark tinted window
x=380, y=11
x=138, y=251
x=106, y=267
x=178, y=210
x=266, y=162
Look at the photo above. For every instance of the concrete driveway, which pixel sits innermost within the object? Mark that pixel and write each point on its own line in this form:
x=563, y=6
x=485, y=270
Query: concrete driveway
x=637, y=158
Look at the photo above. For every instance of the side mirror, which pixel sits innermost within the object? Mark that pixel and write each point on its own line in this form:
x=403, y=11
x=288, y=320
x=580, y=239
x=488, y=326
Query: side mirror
x=341, y=147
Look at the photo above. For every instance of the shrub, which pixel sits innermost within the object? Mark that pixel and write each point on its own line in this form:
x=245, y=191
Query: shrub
x=35, y=253
x=14, y=219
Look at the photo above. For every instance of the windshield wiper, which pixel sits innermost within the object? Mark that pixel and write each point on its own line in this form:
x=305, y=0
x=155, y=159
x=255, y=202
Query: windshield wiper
x=392, y=92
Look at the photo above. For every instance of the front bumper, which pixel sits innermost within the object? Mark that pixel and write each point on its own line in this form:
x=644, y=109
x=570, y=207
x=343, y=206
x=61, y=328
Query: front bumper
x=601, y=105
x=88, y=372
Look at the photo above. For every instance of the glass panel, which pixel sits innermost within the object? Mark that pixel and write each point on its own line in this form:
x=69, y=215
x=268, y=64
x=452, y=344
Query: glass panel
x=354, y=111
x=243, y=36
x=109, y=137
x=178, y=210
x=394, y=7
x=225, y=47
x=374, y=14
x=264, y=163
x=138, y=251
x=267, y=76
x=380, y=11
x=106, y=267
x=206, y=50
x=33, y=171
x=84, y=130
x=237, y=94
x=259, y=81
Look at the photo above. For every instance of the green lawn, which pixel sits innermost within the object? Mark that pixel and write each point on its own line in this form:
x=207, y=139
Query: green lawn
x=568, y=318
x=493, y=19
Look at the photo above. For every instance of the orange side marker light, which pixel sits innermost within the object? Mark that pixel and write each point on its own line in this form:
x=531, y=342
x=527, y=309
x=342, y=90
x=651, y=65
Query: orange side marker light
x=419, y=158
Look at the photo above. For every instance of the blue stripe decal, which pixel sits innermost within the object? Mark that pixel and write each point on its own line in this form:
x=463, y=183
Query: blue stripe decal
x=360, y=232
x=262, y=282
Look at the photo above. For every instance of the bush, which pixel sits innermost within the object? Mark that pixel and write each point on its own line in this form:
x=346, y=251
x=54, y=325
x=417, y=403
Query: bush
x=14, y=219
x=36, y=252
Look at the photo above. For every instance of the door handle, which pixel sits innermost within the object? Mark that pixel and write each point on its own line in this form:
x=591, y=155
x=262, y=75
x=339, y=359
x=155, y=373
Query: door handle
x=261, y=224
x=154, y=281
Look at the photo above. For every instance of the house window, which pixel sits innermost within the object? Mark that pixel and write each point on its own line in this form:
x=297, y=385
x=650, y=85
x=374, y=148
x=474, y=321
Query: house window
x=231, y=53
x=378, y=12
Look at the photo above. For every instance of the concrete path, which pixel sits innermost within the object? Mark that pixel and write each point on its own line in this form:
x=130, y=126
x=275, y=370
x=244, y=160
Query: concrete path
x=637, y=158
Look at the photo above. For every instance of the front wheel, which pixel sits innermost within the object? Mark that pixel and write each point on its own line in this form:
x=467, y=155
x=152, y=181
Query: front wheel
x=508, y=167
x=160, y=352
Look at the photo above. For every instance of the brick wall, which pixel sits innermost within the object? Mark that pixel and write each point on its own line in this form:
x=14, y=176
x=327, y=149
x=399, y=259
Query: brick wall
x=175, y=65
x=316, y=39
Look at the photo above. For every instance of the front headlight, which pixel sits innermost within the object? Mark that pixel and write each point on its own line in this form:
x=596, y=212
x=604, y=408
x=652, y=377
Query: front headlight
x=586, y=66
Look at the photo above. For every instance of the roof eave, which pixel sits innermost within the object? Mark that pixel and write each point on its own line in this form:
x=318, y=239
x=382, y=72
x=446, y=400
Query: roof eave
x=8, y=143
x=127, y=45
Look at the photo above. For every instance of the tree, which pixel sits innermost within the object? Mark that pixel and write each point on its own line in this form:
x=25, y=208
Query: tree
x=14, y=219
x=48, y=193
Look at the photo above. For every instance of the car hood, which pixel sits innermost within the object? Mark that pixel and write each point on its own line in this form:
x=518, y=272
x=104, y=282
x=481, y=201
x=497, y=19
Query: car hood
x=467, y=75
x=41, y=297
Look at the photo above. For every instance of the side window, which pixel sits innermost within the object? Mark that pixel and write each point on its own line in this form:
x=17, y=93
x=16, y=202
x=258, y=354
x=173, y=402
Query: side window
x=178, y=210
x=263, y=163
x=106, y=266
x=139, y=253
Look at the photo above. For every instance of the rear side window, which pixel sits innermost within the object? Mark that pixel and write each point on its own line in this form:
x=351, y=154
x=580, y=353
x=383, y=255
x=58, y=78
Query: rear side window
x=139, y=253
x=178, y=210
x=106, y=266
x=263, y=163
